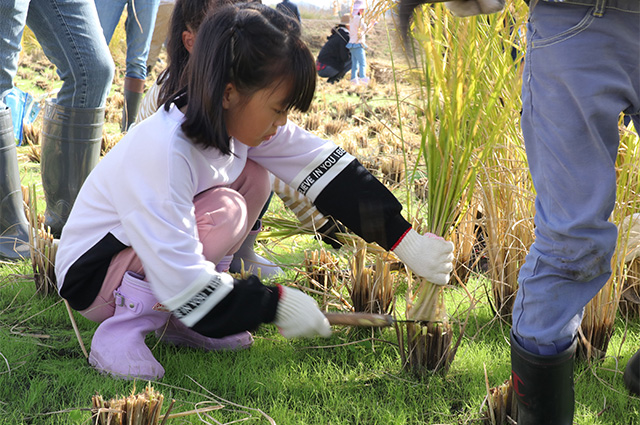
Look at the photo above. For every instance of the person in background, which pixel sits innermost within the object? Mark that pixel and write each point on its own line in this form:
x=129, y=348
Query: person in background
x=290, y=9
x=146, y=240
x=69, y=33
x=160, y=32
x=578, y=78
x=141, y=18
x=357, y=45
x=334, y=59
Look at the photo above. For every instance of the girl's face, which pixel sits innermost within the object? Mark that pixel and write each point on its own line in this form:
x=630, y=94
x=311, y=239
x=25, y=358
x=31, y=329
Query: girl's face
x=256, y=119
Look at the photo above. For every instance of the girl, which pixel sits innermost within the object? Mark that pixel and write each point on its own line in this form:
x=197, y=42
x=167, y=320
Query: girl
x=356, y=45
x=178, y=193
x=186, y=19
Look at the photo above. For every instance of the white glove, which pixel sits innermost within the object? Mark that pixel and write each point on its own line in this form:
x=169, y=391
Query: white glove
x=464, y=8
x=298, y=315
x=427, y=255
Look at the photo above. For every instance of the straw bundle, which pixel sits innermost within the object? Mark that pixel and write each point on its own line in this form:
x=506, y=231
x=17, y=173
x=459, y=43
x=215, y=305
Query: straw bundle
x=136, y=409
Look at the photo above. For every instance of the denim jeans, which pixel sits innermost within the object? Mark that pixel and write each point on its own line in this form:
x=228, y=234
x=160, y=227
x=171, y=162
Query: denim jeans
x=141, y=18
x=358, y=61
x=581, y=71
x=70, y=36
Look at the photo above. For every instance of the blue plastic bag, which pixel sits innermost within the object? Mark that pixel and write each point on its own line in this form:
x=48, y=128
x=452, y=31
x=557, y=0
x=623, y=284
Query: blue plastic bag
x=24, y=110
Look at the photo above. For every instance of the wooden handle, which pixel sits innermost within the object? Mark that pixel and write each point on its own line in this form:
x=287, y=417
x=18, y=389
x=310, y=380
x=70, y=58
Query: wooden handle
x=369, y=320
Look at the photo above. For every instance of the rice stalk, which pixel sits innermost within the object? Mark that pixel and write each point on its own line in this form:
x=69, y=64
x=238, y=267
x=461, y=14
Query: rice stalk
x=372, y=290
x=334, y=127
x=43, y=248
x=465, y=105
x=501, y=407
x=31, y=136
x=323, y=271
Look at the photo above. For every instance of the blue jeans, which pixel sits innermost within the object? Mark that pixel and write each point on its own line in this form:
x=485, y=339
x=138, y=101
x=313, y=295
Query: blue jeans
x=69, y=33
x=358, y=61
x=141, y=18
x=581, y=71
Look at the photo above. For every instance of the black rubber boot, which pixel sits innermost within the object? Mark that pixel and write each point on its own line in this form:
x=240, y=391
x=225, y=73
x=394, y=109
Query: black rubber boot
x=543, y=386
x=71, y=139
x=133, y=92
x=632, y=374
x=14, y=227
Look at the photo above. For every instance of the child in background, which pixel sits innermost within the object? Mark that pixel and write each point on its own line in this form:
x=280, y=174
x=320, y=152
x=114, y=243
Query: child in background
x=356, y=45
x=146, y=239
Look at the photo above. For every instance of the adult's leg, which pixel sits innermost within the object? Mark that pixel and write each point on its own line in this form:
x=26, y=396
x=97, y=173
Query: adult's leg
x=109, y=13
x=70, y=35
x=14, y=236
x=571, y=104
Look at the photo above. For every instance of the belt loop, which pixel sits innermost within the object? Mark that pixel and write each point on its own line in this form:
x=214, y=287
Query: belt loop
x=598, y=12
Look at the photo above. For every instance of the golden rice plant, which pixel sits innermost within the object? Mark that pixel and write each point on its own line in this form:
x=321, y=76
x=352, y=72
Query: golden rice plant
x=42, y=245
x=599, y=315
x=508, y=205
x=465, y=70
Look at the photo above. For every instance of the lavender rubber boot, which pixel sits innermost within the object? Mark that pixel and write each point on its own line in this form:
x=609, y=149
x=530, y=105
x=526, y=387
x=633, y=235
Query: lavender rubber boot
x=118, y=347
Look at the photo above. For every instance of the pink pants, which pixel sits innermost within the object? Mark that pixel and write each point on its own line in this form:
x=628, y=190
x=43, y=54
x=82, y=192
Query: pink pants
x=224, y=215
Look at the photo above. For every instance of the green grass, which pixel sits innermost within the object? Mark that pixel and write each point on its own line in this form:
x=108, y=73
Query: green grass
x=354, y=377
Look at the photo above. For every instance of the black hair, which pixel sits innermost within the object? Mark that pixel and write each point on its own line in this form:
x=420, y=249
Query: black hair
x=187, y=16
x=253, y=47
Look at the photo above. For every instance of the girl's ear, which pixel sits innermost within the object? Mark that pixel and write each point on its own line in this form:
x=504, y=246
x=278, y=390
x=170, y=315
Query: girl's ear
x=188, y=39
x=230, y=97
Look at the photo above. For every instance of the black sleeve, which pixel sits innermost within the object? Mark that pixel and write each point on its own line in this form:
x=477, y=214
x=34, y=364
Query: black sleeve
x=363, y=204
x=248, y=305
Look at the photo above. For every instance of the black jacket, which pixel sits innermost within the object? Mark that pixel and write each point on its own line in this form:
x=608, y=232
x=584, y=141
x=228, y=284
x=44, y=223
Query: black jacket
x=334, y=52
